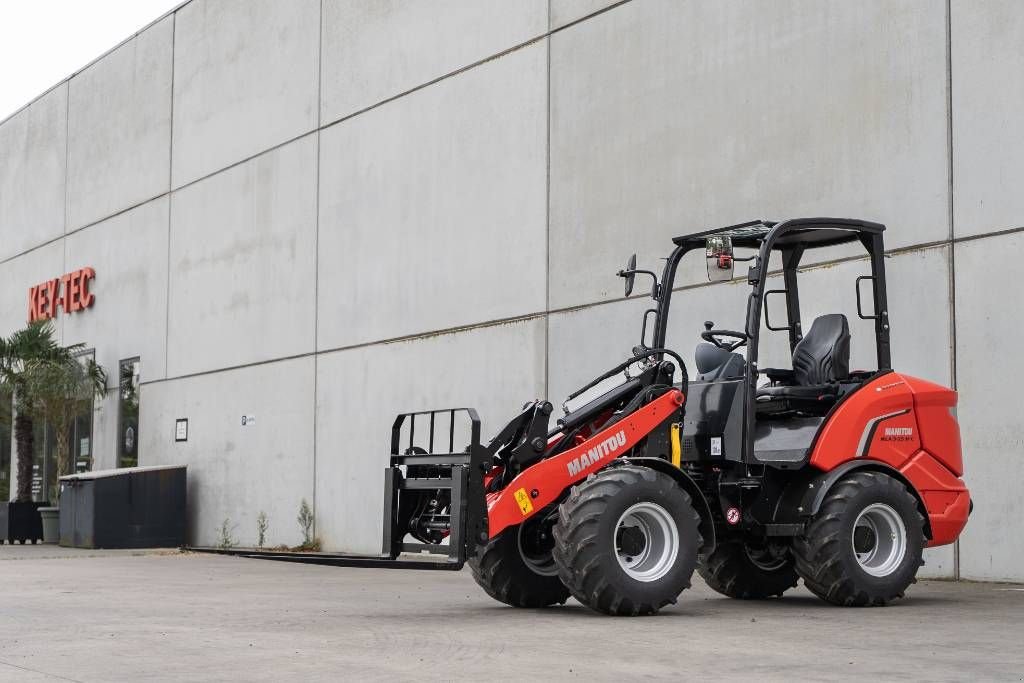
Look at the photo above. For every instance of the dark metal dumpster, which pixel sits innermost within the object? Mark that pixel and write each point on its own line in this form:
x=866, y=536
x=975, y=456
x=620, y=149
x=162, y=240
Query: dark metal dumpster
x=135, y=507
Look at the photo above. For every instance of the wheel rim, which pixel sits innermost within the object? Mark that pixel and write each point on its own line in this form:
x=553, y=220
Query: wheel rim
x=646, y=541
x=879, y=539
x=764, y=559
x=539, y=560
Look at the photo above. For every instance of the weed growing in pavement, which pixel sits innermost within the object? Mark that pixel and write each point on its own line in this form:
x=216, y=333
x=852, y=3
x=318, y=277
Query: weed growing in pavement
x=224, y=534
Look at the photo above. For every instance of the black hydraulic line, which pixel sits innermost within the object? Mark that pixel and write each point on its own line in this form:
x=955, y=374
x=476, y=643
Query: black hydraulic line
x=647, y=353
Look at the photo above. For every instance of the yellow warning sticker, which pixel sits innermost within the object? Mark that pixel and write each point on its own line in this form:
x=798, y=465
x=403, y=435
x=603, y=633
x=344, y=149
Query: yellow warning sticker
x=523, y=498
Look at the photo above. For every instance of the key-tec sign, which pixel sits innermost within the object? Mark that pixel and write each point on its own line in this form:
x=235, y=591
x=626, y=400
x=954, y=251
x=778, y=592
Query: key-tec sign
x=70, y=292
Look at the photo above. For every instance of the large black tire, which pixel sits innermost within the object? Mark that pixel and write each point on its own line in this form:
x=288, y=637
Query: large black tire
x=588, y=539
x=747, y=573
x=827, y=553
x=500, y=569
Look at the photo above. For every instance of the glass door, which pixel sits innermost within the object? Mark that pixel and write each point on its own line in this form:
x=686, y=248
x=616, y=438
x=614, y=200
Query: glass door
x=44, y=461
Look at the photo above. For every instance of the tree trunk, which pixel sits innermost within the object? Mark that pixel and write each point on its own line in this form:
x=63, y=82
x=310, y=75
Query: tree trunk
x=24, y=441
x=63, y=450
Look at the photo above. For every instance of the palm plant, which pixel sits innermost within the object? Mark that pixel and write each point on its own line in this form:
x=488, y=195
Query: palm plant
x=57, y=390
x=21, y=351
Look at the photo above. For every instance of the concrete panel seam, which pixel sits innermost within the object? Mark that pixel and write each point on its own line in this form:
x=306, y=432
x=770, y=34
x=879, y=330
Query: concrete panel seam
x=67, y=172
x=547, y=220
x=951, y=267
x=170, y=183
x=316, y=253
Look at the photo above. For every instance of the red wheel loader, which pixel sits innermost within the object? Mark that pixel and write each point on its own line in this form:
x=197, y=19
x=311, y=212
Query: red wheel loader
x=754, y=477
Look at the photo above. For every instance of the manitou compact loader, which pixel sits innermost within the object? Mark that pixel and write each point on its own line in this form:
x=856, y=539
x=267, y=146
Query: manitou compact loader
x=753, y=476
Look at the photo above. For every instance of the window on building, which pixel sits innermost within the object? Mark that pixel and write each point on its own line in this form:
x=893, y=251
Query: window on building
x=128, y=413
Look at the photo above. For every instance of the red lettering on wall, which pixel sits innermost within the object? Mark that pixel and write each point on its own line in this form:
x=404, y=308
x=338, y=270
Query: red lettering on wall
x=70, y=292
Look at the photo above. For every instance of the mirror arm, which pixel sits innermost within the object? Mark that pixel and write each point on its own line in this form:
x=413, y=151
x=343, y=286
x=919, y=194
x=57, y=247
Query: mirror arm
x=655, y=290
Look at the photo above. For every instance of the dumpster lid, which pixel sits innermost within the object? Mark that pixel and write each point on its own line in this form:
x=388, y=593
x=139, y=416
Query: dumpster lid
x=100, y=474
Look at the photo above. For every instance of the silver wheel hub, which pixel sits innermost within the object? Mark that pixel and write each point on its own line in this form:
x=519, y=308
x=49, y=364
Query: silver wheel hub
x=646, y=541
x=879, y=539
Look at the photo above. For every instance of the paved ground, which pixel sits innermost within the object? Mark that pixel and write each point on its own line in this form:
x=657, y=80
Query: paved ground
x=89, y=616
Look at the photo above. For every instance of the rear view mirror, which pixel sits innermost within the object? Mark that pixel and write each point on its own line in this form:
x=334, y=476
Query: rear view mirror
x=629, y=273
x=719, y=258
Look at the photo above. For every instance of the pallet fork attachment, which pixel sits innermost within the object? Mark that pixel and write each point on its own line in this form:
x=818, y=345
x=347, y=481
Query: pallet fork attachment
x=432, y=495
x=437, y=497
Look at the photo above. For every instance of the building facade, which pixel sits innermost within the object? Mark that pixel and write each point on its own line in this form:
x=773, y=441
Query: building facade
x=304, y=217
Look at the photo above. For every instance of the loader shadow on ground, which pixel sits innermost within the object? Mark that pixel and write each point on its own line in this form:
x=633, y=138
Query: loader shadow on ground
x=200, y=617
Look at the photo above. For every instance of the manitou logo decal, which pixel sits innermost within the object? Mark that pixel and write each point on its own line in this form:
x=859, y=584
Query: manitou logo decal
x=69, y=291
x=597, y=453
x=898, y=434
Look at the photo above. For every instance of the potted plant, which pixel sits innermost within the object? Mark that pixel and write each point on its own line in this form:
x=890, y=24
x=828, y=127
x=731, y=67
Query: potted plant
x=19, y=352
x=55, y=391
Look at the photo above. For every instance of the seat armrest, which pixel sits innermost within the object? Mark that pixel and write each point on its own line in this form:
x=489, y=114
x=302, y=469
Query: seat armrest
x=776, y=375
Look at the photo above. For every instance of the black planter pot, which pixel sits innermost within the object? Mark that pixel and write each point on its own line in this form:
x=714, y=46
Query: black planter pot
x=24, y=525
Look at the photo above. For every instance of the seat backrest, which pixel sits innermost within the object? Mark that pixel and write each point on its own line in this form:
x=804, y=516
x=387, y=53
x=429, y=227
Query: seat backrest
x=823, y=355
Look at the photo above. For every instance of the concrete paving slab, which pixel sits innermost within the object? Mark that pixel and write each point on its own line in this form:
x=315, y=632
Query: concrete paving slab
x=52, y=551
x=212, y=618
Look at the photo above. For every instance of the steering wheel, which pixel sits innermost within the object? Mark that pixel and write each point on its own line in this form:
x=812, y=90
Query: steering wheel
x=710, y=335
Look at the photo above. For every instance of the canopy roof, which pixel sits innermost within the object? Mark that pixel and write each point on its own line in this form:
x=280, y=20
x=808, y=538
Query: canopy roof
x=808, y=232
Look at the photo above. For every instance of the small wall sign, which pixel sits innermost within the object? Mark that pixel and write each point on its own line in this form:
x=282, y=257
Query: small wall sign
x=69, y=291
x=248, y=420
x=181, y=429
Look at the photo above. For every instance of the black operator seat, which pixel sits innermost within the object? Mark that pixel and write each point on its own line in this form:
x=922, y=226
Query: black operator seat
x=714, y=363
x=820, y=361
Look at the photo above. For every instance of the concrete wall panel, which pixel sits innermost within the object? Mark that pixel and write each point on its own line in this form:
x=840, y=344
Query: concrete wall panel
x=989, y=368
x=566, y=11
x=988, y=95
x=245, y=79
x=236, y=471
x=129, y=254
x=242, y=283
x=359, y=392
x=33, y=156
x=119, y=128
x=373, y=50
x=104, y=428
x=18, y=275
x=433, y=207
x=715, y=113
